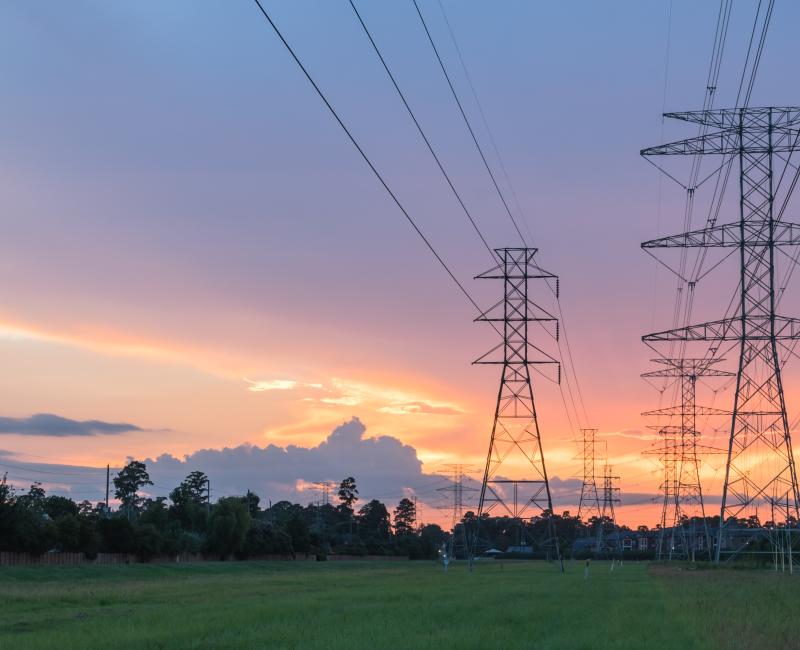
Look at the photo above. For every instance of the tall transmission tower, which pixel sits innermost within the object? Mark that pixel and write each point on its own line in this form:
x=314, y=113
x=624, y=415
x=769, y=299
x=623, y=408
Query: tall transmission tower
x=760, y=467
x=667, y=452
x=683, y=515
x=522, y=489
x=607, y=513
x=457, y=540
x=589, y=504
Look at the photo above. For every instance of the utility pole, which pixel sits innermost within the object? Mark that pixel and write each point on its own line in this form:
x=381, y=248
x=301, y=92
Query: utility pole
x=521, y=489
x=208, y=495
x=682, y=491
x=108, y=483
x=760, y=466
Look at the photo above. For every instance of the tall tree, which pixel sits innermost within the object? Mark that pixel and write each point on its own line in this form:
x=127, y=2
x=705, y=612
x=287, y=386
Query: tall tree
x=127, y=484
x=35, y=498
x=196, y=486
x=228, y=527
x=348, y=493
x=405, y=515
x=373, y=519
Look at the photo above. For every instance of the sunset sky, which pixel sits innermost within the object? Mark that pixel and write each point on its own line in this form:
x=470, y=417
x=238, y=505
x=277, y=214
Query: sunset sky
x=195, y=262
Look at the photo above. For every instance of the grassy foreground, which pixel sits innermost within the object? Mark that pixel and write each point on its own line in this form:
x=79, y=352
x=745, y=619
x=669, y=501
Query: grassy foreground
x=394, y=605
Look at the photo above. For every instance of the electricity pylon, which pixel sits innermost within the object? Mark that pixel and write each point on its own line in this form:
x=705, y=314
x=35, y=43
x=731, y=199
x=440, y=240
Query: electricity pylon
x=607, y=513
x=522, y=489
x=589, y=504
x=457, y=539
x=682, y=490
x=760, y=467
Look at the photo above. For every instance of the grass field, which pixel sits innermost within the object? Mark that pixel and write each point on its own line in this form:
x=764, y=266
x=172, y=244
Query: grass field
x=394, y=605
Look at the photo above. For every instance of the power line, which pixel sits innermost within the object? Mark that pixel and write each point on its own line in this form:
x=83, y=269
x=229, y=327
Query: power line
x=484, y=120
x=36, y=470
x=568, y=360
x=365, y=157
x=421, y=132
x=467, y=122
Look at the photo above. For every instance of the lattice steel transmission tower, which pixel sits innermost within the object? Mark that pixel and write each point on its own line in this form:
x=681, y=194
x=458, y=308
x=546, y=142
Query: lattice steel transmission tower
x=521, y=490
x=667, y=452
x=457, y=541
x=760, y=467
x=608, y=517
x=683, y=515
x=589, y=505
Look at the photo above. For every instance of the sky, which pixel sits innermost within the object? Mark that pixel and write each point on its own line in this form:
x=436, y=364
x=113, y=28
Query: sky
x=198, y=270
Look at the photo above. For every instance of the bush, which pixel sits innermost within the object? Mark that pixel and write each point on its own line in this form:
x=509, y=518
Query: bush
x=228, y=526
x=116, y=534
x=146, y=543
x=69, y=533
x=263, y=538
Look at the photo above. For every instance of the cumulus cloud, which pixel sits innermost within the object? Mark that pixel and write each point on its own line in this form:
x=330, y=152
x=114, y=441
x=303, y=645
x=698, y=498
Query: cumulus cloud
x=382, y=465
x=47, y=424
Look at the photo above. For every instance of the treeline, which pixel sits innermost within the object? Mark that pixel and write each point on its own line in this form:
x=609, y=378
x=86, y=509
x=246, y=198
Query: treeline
x=187, y=522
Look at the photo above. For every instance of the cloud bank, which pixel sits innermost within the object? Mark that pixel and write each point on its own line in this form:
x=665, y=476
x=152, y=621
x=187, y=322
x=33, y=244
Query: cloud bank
x=47, y=424
x=384, y=468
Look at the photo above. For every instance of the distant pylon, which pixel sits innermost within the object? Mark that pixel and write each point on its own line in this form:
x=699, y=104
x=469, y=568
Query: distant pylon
x=589, y=505
x=608, y=515
x=760, y=468
x=682, y=491
x=324, y=488
x=457, y=541
x=521, y=490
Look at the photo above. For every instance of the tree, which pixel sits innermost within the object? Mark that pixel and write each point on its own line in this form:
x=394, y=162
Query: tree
x=195, y=487
x=431, y=538
x=116, y=534
x=297, y=527
x=263, y=538
x=127, y=484
x=69, y=532
x=146, y=542
x=251, y=501
x=56, y=506
x=374, y=529
x=348, y=493
x=228, y=527
x=405, y=515
x=34, y=499
x=189, y=505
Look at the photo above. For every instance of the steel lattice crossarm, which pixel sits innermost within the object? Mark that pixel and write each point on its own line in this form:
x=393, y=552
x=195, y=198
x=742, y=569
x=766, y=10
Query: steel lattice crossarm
x=737, y=127
x=758, y=328
x=671, y=411
x=517, y=264
x=697, y=367
x=723, y=118
x=732, y=235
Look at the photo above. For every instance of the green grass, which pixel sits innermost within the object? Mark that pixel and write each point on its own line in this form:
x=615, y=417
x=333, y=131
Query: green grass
x=393, y=605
